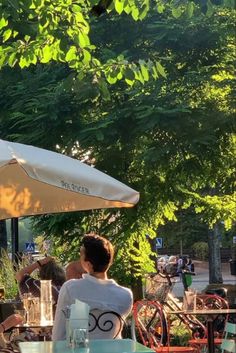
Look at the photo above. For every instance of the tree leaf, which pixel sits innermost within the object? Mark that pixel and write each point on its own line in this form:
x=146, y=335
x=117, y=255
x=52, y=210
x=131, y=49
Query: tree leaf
x=135, y=13
x=83, y=40
x=46, y=54
x=160, y=8
x=3, y=22
x=12, y=59
x=119, y=6
x=160, y=69
x=87, y=57
x=190, y=9
x=71, y=54
x=7, y=34
x=176, y=12
x=144, y=72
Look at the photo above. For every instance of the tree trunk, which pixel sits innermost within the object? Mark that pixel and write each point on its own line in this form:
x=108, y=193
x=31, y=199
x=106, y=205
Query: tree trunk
x=215, y=271
x=3, y=236
x=136, y=286
x=137, y=289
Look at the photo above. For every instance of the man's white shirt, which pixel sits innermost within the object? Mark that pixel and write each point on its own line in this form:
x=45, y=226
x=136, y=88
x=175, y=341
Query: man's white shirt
x=97, y=293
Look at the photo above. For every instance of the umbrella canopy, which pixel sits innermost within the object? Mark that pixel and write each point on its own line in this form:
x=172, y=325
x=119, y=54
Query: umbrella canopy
x=35, y=181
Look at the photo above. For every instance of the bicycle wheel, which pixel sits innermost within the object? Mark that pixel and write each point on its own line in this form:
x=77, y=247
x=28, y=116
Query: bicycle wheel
x=150, y=323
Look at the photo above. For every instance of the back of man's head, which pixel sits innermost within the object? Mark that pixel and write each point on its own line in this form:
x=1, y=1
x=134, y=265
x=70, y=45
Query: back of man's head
x=74, y=270
x=98, y=251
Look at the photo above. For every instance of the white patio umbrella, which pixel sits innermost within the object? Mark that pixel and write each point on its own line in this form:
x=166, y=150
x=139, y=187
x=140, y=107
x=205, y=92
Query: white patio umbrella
x=34, y=181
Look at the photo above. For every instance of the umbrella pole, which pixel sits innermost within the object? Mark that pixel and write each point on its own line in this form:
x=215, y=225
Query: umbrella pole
x=15, y=239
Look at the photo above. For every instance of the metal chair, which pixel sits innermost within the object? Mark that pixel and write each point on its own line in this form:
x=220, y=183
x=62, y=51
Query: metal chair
x=149, y=326
x=228, y=346
x=229, y=338
x=211, y=301
x=105, y=324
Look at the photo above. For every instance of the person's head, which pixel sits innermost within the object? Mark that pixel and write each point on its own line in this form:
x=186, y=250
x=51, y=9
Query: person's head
x=96, y=253
x=172, y=259
x=53, y=271
x=74, y=270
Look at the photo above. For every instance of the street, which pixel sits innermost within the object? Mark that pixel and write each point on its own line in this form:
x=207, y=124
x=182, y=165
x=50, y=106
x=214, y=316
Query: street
x=201, y=280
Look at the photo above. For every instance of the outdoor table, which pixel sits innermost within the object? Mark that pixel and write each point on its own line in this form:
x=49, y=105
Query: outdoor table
x=95, y=346
x=209, y=313
x=42, y=328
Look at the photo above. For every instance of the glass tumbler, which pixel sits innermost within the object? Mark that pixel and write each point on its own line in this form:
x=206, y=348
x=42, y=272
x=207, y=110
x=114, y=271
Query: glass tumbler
x=80, y=338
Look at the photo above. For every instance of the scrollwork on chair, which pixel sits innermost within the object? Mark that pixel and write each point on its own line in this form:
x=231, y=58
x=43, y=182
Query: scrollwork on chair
x=105, y=324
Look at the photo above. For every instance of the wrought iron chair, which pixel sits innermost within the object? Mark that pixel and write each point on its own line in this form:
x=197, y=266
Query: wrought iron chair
x=211, y=301
x=149, y=326
x=105, y=324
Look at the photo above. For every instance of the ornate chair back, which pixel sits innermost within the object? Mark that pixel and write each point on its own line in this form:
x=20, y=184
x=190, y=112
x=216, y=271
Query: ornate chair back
x=214, y=301
x=105, y=324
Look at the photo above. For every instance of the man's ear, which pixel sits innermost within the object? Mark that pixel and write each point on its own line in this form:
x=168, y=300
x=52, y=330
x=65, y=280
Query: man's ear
x=89, y=267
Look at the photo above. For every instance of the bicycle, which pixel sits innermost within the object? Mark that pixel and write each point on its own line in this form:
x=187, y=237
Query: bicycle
x=150, y=313
x=158, y=287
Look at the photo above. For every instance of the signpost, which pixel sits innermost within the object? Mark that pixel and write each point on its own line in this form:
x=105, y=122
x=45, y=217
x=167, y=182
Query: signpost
x=159, y=243
x=30, y=247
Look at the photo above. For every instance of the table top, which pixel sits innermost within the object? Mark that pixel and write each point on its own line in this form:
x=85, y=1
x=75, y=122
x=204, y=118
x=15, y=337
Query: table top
x=211, y=311
x=95, y=346
x=204, y=312
x=39, y=325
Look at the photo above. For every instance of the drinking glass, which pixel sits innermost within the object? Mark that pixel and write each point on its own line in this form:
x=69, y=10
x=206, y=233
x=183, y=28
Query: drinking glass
x=46, y=302
x=46, y=290
x=26, y=304
x=80, y=338
x=34, y=310
x=189, y=302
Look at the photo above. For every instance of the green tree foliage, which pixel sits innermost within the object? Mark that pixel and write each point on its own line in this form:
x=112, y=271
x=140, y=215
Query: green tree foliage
x=188, y=229
x=7, y=276
x=171, y=138
x=42, y=31
x=201, y=250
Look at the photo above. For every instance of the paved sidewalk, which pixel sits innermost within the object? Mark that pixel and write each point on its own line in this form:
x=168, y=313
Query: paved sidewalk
x=201, y=280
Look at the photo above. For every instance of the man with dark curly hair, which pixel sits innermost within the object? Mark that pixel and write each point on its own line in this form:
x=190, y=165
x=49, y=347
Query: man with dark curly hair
x=94, y=288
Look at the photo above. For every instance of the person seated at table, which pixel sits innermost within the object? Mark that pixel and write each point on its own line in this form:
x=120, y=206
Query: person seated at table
x=74, y=270
x=94, y=288
x=48, y=270
x=9, y=322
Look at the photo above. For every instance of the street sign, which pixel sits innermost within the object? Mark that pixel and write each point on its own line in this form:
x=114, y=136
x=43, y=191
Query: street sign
x=159, y=243
x=30, y=247
x=234, y=240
